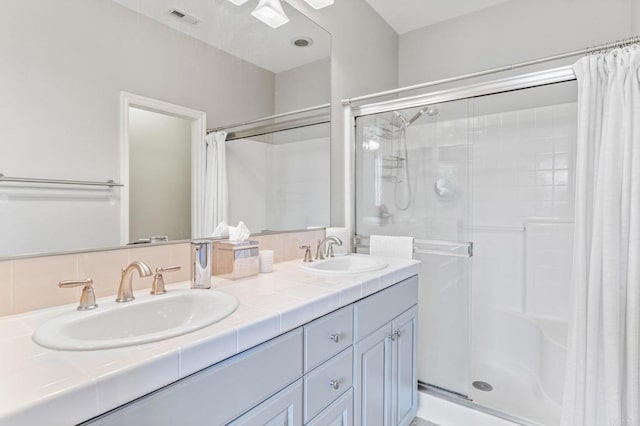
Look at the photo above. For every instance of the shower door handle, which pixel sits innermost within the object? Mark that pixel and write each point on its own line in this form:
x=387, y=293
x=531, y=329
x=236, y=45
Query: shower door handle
x=444, y=248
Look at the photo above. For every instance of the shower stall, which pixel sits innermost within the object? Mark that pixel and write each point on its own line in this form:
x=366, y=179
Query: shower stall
x=482, y=177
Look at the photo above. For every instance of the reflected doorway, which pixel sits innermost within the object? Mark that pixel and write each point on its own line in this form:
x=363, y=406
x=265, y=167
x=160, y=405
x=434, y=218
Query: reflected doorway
x=163, y=170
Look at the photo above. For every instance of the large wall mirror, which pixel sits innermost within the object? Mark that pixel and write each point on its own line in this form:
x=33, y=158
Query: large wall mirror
x=126, y=90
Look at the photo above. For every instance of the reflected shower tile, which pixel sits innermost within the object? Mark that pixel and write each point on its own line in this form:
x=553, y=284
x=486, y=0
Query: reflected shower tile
x=544, y=161
x=561, y=177
x=526, y=119
x=509, y=119
x=544, y=209
x=561, y=160
x=544, y=193
x=561, y=193
x=544, y=178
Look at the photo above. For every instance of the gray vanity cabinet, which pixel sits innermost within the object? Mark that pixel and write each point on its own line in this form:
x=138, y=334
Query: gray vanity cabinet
x=354, y=366
x=404, y=395
x=385, y=390
x=282, y=409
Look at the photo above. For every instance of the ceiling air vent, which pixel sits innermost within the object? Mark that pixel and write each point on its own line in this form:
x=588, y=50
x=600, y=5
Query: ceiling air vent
x=183, y=16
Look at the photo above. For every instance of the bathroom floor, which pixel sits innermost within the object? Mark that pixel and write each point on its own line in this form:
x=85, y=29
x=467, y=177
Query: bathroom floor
x=421, y=422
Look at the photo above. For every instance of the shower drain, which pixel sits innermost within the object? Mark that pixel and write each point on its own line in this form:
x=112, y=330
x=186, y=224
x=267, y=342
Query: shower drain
x=483, y=386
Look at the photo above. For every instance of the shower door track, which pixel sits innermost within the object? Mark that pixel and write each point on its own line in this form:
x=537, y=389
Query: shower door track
x=465, y=401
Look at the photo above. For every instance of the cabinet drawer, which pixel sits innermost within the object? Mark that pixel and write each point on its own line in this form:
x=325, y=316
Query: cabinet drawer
x=340, y=413
x=327, y=336
x=282, y=409
x=380, y=308
x=327, y=382
x=219, y=393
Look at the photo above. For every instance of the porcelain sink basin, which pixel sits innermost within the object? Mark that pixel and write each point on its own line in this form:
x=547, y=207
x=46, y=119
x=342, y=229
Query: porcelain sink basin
x=345, y=265
x=146, y=319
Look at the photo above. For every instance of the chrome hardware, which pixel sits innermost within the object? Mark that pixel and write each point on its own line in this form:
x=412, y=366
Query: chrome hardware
x=334, y=384
x=335, y=338
x=328, y=251
x=395, y=335
x=201, y=264
x=307, y=253
x=125, y=289
x=110, y=183
x=158, y=280
x=87, y=298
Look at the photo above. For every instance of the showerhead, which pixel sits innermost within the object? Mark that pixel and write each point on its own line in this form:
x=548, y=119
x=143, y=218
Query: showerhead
x=431, y=112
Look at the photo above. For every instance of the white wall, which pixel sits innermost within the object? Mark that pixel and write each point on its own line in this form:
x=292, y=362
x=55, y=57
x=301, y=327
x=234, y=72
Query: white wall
x=64, y=65
x=514, y=31
x=159, y=175
x=364, y=59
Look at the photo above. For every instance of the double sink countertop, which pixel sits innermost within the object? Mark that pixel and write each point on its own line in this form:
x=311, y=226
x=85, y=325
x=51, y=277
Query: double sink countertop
x=68, y=387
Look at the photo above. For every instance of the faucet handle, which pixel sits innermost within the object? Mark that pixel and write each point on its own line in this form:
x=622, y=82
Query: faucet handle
x=319, y=254
x=158, y=280
x=88, y=297
x=307, y=253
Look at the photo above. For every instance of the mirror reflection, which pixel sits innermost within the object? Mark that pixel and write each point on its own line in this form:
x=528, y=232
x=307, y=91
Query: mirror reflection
x=122, y=91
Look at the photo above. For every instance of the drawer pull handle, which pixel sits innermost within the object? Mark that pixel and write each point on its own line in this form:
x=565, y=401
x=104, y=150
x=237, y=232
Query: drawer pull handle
x=335, y=337
x=334, y=384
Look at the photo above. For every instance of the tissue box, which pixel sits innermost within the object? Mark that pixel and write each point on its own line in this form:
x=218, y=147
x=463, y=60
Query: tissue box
x=235, y=259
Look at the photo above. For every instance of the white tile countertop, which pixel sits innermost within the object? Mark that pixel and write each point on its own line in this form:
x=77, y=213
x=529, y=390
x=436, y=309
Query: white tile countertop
x=67, y=387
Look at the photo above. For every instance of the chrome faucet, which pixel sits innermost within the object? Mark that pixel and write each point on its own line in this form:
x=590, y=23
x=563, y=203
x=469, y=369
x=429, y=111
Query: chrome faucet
x=125, y=290
x=328, y=243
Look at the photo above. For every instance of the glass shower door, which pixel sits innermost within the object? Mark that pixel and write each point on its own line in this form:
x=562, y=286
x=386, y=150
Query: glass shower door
x=413, y=179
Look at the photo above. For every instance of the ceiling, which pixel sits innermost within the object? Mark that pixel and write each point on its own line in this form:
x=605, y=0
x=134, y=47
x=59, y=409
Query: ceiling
x=233, y=29
x=408, y=15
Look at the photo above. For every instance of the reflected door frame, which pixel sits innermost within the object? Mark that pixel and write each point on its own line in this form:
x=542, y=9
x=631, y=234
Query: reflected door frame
x=198, y=121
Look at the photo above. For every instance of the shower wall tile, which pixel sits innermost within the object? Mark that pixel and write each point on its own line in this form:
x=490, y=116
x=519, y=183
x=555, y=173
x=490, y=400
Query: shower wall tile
x=548, y=259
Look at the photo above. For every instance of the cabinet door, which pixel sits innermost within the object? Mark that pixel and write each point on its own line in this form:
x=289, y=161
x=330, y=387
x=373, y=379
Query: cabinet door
x=372, y=379
x=404, y=393
x=282, y=409
x=340, y=413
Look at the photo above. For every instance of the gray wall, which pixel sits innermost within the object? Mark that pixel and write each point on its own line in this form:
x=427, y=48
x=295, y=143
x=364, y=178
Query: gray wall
x=514, y=31
x=364, y=59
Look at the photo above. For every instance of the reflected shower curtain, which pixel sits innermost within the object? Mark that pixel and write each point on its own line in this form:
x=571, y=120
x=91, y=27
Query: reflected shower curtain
x=216, y=205
x=603, y=366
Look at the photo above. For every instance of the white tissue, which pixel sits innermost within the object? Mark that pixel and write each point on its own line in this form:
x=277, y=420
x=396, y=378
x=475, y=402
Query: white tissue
x=239, y=233
x=222, y=230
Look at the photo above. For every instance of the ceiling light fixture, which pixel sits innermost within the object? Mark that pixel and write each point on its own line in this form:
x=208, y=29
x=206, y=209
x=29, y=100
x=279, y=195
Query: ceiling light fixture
x=270, y=12
x=319, y=4
x=238, y=2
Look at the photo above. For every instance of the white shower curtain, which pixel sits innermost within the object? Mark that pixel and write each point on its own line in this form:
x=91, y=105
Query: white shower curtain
x=216, y=203
x=603, y=366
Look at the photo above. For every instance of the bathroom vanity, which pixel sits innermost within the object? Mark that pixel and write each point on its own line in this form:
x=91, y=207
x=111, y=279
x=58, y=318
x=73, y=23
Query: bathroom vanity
x=301, y=349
